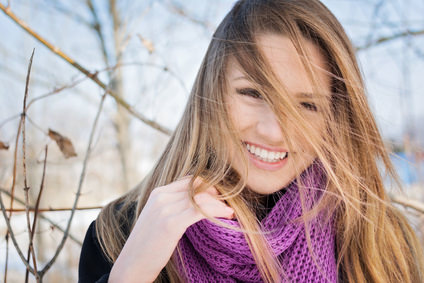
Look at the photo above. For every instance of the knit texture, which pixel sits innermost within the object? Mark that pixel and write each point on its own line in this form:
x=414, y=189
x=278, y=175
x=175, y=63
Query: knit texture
x=212, y=253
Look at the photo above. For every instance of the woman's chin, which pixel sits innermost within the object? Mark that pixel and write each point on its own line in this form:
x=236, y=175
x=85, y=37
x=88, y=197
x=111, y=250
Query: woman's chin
x=266, y=188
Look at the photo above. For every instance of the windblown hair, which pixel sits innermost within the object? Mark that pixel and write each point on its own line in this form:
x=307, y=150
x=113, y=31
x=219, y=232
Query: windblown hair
x=375, y=243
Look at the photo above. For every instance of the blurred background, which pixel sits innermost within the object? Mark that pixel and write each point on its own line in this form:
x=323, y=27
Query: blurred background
x=146, y=53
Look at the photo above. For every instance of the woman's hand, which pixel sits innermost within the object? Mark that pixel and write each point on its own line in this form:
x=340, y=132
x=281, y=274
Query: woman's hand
x=161, y=224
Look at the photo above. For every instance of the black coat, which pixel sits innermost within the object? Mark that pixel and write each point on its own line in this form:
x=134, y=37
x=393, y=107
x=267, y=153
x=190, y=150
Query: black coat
x=94, y=267
x=93, y=264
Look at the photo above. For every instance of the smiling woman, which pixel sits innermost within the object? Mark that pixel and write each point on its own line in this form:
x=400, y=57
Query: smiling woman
x=272, y=165
x=272, y=173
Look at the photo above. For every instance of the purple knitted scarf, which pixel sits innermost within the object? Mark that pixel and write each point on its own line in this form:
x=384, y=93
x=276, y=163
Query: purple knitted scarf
x=215, y=254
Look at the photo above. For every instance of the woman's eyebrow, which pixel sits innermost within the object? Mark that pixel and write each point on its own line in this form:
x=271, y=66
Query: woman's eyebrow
x=305, y=95
x=240, y=78
x=310, y=95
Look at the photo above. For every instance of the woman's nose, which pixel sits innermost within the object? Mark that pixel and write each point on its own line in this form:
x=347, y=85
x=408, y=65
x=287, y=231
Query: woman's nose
x=268, y=127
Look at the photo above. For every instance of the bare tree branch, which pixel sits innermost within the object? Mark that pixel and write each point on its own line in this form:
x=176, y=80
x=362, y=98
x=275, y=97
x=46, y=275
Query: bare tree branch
x=57, y=90
x=78, y=193
x=6, y=266
x=385, y=39
x=26, y=187
x=69, y=13
x=12, y=236
x=34, y=221
x=96, y=25
x=15, y=154
x=45, y=218
x=12, y=194
x=92, y=76
x=177, y=9
x=121, y=119
x=9, y=119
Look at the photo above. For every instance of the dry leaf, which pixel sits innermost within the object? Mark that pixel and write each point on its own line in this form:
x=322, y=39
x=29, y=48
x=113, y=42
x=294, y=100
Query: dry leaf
x=147, y=44
x=4, y=146
x=64, y=144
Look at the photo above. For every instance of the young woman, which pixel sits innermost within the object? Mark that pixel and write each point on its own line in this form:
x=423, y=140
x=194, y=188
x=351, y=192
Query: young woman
x=273, y=173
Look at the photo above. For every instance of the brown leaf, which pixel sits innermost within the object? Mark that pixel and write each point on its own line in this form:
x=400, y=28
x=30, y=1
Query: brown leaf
x=64, y=144
x=4, y=146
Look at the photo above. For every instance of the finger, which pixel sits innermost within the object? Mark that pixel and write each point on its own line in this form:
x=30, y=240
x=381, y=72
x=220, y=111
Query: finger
x=206, y=197
x=182, y=184
x=191, y=215
x=208, y=204
x=176, y=186
x=175, y=202
x=162, y=198
x=211, y=206
x=185, y=177
x=198, y=181
x=214, y=210
x=212, y=191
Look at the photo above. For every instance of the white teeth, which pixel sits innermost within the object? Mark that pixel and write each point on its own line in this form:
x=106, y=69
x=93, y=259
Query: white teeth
x=265, y=155
x=257, y=151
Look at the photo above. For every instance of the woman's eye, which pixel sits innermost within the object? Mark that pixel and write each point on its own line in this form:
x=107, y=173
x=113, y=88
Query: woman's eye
x=249, y=92
x=310, y=106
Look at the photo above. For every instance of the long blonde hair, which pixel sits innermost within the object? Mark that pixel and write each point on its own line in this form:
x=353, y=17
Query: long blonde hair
x=375, y=243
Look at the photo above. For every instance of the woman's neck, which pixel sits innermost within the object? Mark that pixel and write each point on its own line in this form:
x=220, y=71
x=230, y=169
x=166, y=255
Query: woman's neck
x=263, y=204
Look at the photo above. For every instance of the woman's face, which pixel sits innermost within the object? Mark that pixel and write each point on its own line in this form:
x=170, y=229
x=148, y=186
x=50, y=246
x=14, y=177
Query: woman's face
x=271, y=165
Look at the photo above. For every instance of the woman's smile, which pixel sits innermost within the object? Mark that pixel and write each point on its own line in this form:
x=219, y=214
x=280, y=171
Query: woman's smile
x=266, y=158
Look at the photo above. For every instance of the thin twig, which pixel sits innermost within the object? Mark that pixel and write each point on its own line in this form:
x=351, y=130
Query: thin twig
x=92, y=76
x=45, y=218
x=6, y=266
x=78, y=81
x=56, y=90
x=70, y=13
x=78, y=193
x=96, y=25
x=26, y=187
x=177, y=9
x=374, y=19
x=161, y=67
x=385, y=39
x=11, y=118
x=36, y=126
x=15, y=154
x=12, y=189
x=12, y=236
x=34, y=221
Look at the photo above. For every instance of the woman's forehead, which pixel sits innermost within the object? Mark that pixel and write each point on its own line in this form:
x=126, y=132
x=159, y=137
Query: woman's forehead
x=286, y=63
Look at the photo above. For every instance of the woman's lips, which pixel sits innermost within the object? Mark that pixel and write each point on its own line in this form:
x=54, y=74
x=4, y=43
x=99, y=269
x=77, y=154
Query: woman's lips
x=268, y=148
x=266, y=165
